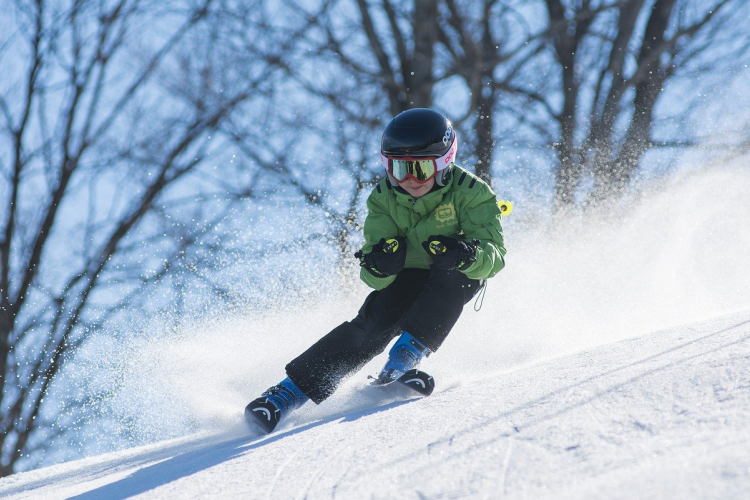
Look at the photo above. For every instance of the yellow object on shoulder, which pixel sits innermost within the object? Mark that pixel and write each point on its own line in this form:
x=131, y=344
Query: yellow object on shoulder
x=506, y=207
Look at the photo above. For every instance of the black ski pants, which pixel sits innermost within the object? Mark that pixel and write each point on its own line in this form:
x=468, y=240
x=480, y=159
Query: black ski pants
x=425, y=303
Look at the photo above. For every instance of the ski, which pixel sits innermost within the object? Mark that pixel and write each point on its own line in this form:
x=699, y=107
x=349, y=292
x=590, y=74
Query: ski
x=262, y=416
x=416, y=380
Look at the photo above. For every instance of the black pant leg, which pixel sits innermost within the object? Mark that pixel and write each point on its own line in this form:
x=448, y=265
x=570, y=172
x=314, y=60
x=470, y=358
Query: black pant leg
x=349, y=346
x=439, y=305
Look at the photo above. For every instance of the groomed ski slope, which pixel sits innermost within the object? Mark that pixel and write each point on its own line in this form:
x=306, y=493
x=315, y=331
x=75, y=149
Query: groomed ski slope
x=662, y=415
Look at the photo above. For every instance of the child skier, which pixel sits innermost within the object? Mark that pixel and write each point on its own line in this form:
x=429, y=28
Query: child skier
x=432, y=236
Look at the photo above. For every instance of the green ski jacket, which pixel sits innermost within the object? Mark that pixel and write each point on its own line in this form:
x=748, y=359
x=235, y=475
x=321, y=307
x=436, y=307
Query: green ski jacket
x=464, y=208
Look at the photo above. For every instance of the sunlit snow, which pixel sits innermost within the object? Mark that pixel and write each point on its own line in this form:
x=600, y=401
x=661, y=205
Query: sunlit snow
x=610, y=359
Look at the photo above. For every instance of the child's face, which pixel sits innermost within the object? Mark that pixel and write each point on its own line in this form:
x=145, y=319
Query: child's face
x=415, y=188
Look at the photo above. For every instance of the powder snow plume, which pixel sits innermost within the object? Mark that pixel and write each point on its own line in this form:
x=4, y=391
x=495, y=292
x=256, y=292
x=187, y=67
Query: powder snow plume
x=672, y=256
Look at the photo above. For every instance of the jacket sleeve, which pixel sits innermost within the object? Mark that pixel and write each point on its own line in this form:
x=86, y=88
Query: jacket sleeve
x=378, y=224
x=480, y=219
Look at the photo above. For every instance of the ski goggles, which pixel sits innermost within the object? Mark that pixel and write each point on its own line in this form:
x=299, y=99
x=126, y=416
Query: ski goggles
x=420, y=169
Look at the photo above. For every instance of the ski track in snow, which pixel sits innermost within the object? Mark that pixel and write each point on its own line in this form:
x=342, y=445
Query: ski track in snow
x=664, y=415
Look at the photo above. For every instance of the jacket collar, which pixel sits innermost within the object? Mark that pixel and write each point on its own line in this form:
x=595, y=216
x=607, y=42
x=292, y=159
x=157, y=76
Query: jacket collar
x=424, y=204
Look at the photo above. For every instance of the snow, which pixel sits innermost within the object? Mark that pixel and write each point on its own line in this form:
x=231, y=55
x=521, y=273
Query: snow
x=573, y=382
x=661, y=415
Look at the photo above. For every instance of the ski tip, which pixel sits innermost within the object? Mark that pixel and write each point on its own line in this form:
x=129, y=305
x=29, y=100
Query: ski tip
x=261, y=416
x=418, y=381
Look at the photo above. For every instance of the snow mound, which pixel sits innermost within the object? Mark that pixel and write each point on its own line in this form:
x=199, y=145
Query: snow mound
x=663, y=415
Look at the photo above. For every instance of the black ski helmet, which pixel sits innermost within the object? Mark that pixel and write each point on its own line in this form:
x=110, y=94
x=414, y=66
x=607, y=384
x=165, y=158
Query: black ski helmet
x=420, y=132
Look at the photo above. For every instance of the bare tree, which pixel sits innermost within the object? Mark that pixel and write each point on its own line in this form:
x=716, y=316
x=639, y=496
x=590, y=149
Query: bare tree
x=383, y=57
x=580, y=77
x=98, y=156
x=357, y=64
x=401, y=42
x=614, y=62
x=480, y=38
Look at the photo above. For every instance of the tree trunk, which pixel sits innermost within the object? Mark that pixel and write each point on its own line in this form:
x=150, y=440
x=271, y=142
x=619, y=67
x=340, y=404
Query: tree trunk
x=420, y=79
x=566, y=36
x=613, y=177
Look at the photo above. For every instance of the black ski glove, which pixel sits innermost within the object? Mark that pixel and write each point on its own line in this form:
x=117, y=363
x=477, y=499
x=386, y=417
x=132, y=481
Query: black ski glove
x=386, y=258
x=450, y=253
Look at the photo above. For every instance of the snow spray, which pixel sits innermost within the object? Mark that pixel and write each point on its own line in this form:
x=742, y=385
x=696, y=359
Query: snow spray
x=674, y=255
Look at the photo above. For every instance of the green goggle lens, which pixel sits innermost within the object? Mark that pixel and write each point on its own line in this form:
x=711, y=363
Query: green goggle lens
x=421, y=170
